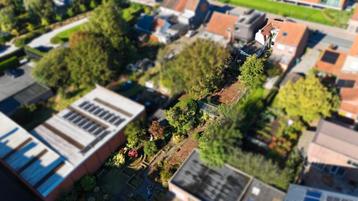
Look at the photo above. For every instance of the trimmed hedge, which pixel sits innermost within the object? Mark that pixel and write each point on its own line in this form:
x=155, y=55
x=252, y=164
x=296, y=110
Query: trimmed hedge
x=17, y=53
x=33, y=53
x=23, y=40
x=12, y=62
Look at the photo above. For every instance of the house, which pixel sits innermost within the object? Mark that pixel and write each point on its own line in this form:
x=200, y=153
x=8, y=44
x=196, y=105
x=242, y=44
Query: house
x=288, y=40
x=344, y=67
x=187, y=12
x=320, y=4
x=249, y=22
x=332, y=158
x=21, y=89
x=220, y=28
x=305, y=193
x=196, y=181
x=353, y=22
x=69, y=145
x=228, y=27
x=146, y=2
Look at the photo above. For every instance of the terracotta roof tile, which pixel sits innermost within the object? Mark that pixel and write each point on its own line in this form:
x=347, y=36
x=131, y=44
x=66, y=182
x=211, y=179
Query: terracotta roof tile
x=220, y=24
x=349, y=100
x=177, y=5
x=354, y=49
x=332, y=68
x=192, y=4
x=291, y=33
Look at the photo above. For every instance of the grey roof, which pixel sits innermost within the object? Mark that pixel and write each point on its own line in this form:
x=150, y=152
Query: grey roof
x=10, y=86
x=337, y=138
x=259, y=191
x=221, y=184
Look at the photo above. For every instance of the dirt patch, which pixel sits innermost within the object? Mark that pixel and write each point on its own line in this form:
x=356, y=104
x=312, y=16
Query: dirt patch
x=231, y=93
x=183, y=152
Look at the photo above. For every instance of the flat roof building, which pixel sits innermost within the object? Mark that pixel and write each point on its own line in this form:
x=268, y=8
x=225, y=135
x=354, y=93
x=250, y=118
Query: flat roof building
x=305, y=193
x=196, y=181
x=72, y=143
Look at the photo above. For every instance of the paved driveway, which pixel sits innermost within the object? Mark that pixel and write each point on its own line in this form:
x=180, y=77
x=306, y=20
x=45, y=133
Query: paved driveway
x=307, y=61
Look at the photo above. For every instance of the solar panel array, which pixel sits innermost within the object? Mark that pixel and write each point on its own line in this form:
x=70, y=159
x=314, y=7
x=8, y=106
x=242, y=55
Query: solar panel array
x=313, y=196
x=102, y=113
x=85, y=123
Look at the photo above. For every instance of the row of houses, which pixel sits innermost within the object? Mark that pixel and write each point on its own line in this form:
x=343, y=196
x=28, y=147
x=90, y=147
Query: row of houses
x=174, y=18
x=72, y=143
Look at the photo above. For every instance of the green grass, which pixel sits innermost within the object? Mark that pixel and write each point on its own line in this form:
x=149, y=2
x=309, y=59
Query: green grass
x=327, y=16
x=65, y=35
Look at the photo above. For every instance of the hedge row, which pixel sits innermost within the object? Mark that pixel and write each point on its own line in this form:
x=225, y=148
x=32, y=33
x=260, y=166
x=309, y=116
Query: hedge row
x=23, y=40
x=12, y=62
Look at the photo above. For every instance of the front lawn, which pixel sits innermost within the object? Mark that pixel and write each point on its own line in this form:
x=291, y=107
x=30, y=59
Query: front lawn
x=65, y=35
x=327, y=16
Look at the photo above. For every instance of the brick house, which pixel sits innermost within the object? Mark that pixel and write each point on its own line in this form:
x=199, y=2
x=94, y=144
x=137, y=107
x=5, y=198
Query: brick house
x=73, y=143
x=287, y=39
x=353, y=22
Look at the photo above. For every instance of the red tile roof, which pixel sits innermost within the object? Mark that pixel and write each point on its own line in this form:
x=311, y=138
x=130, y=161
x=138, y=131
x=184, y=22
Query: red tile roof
x=181, y=5
x=291, y=33
x=332, y=68
x=220, y=24
x=349, y=100
x=354, y=49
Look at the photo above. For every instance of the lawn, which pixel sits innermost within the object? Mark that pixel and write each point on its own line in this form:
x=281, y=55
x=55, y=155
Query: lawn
x=328, y=16
x=65, y=35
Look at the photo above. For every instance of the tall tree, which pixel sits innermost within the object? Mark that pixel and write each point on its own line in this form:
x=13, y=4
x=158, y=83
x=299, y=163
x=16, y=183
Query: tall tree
x=51, y=70
x=135, y=134
x=198, y=69
x=252, y=72
x=107, y=20
x=307, y=98
x=91, y=61
x=219, y=141
x=43, y=9
x=7, y=18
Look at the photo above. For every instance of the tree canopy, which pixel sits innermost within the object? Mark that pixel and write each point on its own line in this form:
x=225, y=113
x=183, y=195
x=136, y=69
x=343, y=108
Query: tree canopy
x=51, y=70
x=40, y=8
x=198, y=69
x=134, y=134
x=107, y=21
x=252, y=72
x=218, y=143
x=184, y=116
x=92, y=60
x=307, y=98
x=7, y=18
x=150, y=148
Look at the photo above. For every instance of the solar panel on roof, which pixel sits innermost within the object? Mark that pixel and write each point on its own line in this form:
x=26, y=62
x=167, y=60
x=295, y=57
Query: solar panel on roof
x=75, y=115
x=87, y=125
x=103, y=114
x=315, y=194
x=83, y=104
x=118, y=122
x=68, y=114
x=98, y=131
x=113, y=119
x=310, y=199
x=92, y=128
x=330, y=57
x=108, y=116
x=92, y=108
x=98, y=110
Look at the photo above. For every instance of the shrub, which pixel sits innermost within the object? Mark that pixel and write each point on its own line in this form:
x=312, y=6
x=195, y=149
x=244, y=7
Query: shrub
x=117, y=160
x=88, y=183
x=12, y=62
x=83, y=8
x=150, y=148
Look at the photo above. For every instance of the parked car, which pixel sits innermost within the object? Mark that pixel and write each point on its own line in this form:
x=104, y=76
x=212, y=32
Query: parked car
x=14, y=72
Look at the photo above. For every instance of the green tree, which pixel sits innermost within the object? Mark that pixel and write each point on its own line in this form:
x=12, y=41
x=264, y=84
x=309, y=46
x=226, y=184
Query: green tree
x=150, y=148
x=184, y=116
x=252, y=72
x=218, y=143
x=198, y=69
x=51, y=70
x=91, y=61
x=307, y=98
x=135, y=134
x=40, y=8
x=107, y=21
x=8, y=19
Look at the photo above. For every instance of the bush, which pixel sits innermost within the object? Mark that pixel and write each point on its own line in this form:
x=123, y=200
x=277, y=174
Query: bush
x=23, y=40
x=88, y=183
x=150, y=148
x=117, y=160
x=12, y=62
